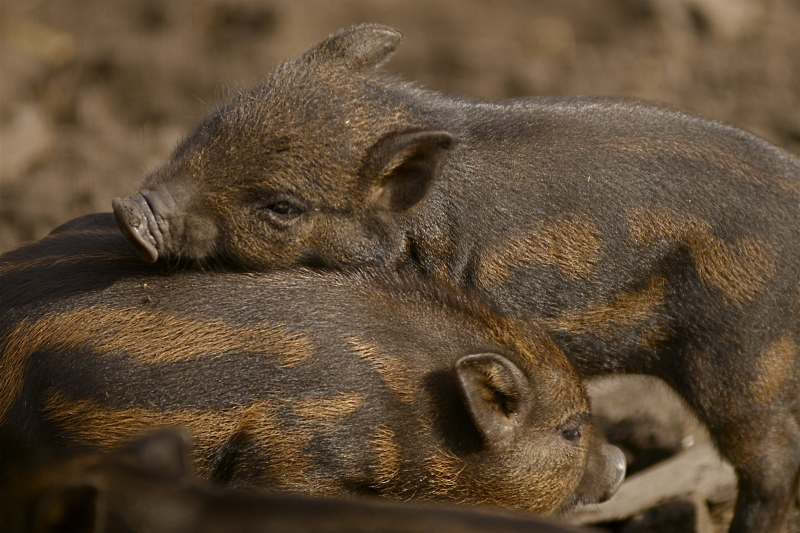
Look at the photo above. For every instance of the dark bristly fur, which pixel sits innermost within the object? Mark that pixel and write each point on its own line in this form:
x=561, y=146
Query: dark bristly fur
x=317, y=382
x=650, y=240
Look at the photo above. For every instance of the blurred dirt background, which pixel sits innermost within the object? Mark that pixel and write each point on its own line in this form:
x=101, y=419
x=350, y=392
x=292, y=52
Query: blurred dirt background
x=95, y=93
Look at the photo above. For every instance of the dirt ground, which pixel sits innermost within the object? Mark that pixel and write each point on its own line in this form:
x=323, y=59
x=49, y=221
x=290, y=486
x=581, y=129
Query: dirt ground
x=95, y=93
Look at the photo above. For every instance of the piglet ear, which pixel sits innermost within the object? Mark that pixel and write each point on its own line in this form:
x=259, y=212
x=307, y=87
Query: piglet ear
x=496, y=392
x=361, y=47
x=402, y=167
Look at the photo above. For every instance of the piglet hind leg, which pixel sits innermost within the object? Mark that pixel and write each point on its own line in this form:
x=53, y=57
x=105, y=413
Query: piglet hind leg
x=767, y=488
x=764, y=448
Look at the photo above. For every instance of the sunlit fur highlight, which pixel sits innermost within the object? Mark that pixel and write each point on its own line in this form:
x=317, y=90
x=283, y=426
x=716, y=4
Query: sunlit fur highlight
x=388, y=455
x=739, y=270
x=776, y=368
x=572, y=245
x=329, y=410
x=444, y=470
x=392, y=369
x=623, y=310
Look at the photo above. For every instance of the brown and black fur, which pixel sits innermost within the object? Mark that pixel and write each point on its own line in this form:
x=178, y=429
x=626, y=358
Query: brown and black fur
x=315, y=382
x=148, y=485
x=649, y=240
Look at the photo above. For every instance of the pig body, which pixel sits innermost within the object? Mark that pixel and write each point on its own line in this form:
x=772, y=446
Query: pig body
x=148, y=485
x=647, y=239
x=320, y=383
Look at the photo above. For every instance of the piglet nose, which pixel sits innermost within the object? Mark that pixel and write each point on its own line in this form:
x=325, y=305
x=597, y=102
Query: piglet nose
x=132, y=216
x=616, y=467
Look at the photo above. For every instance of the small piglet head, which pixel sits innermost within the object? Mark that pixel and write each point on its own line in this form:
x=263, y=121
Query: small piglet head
x=318, y=165
x=542, y=452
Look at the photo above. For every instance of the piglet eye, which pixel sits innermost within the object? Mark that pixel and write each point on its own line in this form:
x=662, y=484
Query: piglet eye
x=282, y=208
x=572, y=434
x=279, y=212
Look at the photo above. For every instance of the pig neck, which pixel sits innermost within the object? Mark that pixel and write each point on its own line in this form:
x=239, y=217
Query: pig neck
x=467, y=199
